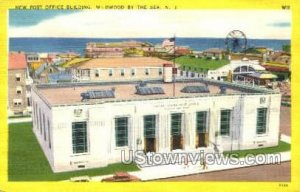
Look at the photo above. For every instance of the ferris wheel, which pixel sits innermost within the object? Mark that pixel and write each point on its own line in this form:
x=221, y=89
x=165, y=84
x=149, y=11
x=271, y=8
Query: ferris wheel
x=236, y=41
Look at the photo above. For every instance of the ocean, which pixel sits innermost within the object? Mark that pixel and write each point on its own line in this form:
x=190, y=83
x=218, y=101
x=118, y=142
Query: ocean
x=41, y=45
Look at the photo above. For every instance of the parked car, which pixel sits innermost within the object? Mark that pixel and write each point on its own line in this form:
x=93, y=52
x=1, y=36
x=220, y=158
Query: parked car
x=121, y=177
x=80, y=179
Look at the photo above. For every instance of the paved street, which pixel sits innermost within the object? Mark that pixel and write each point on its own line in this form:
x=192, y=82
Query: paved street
x=278, y=173
x=257, y=173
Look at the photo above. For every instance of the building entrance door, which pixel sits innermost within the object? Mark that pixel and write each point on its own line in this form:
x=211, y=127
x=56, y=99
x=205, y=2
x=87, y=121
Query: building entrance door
x=176, y=142
x=150, y=145
x=202, y=139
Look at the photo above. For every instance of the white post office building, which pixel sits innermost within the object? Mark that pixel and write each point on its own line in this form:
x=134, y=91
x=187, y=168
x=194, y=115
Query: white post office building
x=86, y=125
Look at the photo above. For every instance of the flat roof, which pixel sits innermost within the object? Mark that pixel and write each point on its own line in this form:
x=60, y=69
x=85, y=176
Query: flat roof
x=69, y=94
x=125, y=62
x=17, y=60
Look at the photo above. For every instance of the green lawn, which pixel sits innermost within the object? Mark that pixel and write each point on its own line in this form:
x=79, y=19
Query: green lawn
x=199, y=64
x=28, y=163
x=242, y=153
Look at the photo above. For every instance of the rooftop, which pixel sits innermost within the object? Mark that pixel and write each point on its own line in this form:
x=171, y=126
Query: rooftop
x=69, y=94
x=214, y=50
x=121, y=44
x=125, y=62
x=17, y=60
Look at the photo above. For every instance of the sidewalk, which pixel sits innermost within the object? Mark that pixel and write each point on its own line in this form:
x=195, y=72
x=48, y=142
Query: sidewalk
x=19, y=120
x=174, y=170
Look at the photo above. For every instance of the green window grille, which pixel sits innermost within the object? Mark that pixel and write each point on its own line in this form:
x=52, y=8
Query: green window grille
x=132, y=72
x=149, y=126
x=110, y=72
x=160, y=71
x=49, y=138
x=201, y=125
x=79, y=137
x=44, y=127
x=40, y=121
x=261, y=120
x=176, y=119
x=37, y=117
x=122, y=72
x=121, y=131
x=225, y=122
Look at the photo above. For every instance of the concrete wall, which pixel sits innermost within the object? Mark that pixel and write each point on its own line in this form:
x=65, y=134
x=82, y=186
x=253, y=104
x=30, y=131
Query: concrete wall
x=41, y=116
x=101, y=128
x=116, y=75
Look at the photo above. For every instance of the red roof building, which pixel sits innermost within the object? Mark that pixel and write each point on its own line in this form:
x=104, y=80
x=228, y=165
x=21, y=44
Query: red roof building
x=17, y=60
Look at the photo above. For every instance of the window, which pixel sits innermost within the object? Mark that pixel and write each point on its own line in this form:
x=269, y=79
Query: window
x=19, y=89
x=110, y=72
x=132, y=72
x=149, y=126
x=49, y=138
x=261, y=120
x=147, y=71
x=28, y=102
x=160, y=71
x=201, y=122
x=121, y=131
x=97, y=72
x=18, y=77
x=44, y=127
x=176, y=119
x=79, y=137
x=40, y=121
x=37, y=116
x=122, y=72
x=17, y=102
x=225, y=122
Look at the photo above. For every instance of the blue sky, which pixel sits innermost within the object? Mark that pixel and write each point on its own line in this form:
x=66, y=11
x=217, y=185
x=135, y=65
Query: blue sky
x=19, y=18
x=261, y=24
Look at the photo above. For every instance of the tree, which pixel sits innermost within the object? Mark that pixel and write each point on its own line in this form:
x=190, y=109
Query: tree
x=286, y=48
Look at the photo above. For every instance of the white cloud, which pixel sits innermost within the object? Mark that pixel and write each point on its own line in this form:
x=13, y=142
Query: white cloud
x=161, y=23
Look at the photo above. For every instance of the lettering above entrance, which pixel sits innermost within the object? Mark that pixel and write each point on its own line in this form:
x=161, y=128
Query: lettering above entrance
x=77, y=112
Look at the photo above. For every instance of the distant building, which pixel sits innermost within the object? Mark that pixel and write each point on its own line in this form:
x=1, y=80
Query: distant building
x=18, y=84
x=251, y=56
x=168, y=45
x=32, y=57
x=120, y=69
x=261, y=78
x=42, y=73
x=280, y=57
x=59, y=77
x=64, y=57
x=182, y=50
x=237, y=67
x=214, y=53
x=117, y=49
x=278, y=61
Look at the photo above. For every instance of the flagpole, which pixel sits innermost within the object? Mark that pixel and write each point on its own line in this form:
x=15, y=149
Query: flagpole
x=173, y=70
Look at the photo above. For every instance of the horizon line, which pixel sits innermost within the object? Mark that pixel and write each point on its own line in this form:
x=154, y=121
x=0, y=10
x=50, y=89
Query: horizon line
x=149, y=38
